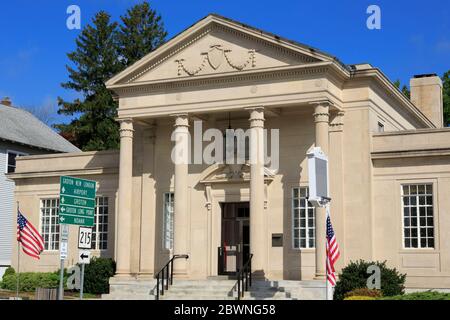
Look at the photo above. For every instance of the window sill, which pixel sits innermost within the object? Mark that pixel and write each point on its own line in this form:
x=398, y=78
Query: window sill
x=419, y=250
x=304, y=250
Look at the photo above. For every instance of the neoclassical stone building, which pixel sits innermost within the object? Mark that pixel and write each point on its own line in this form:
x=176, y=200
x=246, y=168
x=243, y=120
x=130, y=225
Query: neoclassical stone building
x=389, y=165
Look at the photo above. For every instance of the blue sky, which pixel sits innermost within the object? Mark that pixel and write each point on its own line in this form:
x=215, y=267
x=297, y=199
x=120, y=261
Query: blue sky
x=414, y=38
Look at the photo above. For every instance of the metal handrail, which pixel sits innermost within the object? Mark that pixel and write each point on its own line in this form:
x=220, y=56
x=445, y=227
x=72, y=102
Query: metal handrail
x=168, y=268
x=244, y=276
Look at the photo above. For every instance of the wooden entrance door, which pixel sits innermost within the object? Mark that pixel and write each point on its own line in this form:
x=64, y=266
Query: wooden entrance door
x=235, y=245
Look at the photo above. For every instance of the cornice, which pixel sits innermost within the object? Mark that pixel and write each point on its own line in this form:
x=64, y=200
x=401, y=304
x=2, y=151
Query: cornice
x=57, y=173
x=410, y=154
x=393, y=92
x=288, y=72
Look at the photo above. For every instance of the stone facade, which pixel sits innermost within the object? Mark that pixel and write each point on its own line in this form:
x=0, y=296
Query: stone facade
x=222, y=72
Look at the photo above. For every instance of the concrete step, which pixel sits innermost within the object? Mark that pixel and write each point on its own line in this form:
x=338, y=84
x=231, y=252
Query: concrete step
x=203, y=298
x=219, y=289
x=127, y=297
x=196, y=293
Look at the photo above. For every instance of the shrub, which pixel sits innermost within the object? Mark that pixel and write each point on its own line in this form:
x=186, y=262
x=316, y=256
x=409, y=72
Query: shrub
x=427, y=295
x=360, y=298
x=97, y=274
x=9, y=271
x=29, y=281
x=355, y=276
x=364, y=292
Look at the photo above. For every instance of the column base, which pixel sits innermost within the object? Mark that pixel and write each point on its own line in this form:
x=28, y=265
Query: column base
x=123, y=276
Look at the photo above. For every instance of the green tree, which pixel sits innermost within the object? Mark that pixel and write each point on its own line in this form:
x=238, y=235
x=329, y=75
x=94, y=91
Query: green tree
x=446, y=95
x=404, y=89
x=141, y=31
x=96, y=60
x=103, y=50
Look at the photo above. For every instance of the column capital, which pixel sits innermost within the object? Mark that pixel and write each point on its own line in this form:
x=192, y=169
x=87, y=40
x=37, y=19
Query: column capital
x=181, y=119
x=324, y=103
x=126, y=128
x=256, y=117
x=337, y=123
x=321, y=112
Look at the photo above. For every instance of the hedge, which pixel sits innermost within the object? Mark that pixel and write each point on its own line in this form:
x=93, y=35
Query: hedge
x=354, y=276
x=29, y=281
x=96, y=278
x=97, y=274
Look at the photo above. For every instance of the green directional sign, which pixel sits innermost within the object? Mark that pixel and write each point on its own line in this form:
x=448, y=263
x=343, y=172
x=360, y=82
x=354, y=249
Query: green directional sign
x=77, y=201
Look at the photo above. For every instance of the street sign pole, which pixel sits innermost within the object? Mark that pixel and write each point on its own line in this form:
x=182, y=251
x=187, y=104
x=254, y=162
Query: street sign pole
x=84, y=253
x=82, y=282
x=63, y=245
x=76, y=207
x=61, y=281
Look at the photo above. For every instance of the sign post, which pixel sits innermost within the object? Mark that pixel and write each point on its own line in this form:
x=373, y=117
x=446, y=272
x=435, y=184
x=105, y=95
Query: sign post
x=76, y=207
x=319, y=190
x=63, y=245
x=84, y=254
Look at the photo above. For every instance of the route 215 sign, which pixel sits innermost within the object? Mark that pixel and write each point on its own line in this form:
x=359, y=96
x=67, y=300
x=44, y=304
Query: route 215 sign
x=318, y=177
x=84, y=238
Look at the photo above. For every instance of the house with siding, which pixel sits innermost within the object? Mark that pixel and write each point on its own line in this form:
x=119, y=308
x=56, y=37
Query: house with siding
x=21, y=134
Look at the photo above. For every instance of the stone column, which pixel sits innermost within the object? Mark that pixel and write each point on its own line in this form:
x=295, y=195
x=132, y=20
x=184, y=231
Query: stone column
x=125, y=190
x=321, y=119
x=181, y=210
x=148, y=217
x=258, y=235
x=336, y=168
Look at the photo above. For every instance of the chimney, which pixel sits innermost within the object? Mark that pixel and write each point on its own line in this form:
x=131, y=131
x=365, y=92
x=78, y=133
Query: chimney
x=426, y=94
x=6, y=101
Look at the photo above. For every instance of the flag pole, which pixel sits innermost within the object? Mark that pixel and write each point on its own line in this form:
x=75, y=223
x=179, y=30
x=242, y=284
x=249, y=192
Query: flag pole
x=329, y=295
x=326, y=258
x=18, y=261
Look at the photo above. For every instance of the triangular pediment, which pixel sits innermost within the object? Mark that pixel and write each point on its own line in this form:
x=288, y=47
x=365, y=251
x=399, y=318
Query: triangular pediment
x=216, y=45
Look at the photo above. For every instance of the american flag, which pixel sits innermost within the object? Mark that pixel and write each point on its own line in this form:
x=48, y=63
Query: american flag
x=29, y=237
x=332, y=252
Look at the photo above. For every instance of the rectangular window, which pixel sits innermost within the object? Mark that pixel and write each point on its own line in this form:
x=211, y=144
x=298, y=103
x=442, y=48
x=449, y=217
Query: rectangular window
x=11, y=164
x=168, y=221
x=303, y=219
x=50, y=223
x=100, y=230
x=418, y=217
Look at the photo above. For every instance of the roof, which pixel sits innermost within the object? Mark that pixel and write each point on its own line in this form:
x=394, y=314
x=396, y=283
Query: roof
x=20, y=126
x=280, y=38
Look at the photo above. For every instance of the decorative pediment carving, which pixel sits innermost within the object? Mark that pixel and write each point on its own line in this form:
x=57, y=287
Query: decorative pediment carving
x=216, y=46
x=214, y=58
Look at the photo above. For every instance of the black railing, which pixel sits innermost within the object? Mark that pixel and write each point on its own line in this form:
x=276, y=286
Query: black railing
x=165, y=275
x=244, y=278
